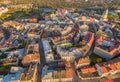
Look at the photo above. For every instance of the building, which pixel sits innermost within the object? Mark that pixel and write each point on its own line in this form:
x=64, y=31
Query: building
x=9, y=43
x=1, y=33
x=33, y=19
x=3, y=10
x=66, y=37
x=105, y=16
x=63, y=75
x=69, y=55
x=11, y=61
x=47, y=51
x=34, y=31
x=106, y=47
x=65, y=45
x=2, y=37
x=111, y=67
x=14, y=75
x=13, y=24
x=87, y=72
x=82, y=62
x=66, y=31
x=83, y=28
x=89, y=38
x=17, y=53
x=30, y=74
x=32, y=55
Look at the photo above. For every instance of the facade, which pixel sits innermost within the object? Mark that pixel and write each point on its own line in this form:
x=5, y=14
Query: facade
x=64, y=75
x=82, y=62
x=47, y=51
x=66, y=37
x=32, y=55
x=30, y=75
x=19, y=53
x=34, y=31
x=3, y=10
x=106, y=48
x=69, y=55
x=66, y=31
x=88, y=72
x=111, y=67
x=14, y=75
x=89, y=38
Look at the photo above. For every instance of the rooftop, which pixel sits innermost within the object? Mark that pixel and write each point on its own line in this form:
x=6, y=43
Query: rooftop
x=84, y=60
x=88, y=72
x=108, y=44
x=32, y=54
x=111, y=65
x=58, y=73
x=28, y=73
x=14, y=75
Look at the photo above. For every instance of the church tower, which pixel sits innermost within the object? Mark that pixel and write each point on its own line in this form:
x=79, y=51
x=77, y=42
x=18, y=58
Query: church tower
x=105, y=16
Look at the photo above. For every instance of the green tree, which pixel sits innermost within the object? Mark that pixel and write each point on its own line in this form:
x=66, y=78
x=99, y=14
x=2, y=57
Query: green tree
x=112, y=17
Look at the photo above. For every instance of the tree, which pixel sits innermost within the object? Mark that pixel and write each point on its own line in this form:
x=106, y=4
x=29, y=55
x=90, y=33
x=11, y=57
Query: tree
x=98, y=60
x=112, y=17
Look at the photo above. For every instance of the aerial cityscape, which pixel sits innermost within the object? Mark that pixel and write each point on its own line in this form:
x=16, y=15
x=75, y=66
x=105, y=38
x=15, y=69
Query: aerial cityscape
x=59, y=40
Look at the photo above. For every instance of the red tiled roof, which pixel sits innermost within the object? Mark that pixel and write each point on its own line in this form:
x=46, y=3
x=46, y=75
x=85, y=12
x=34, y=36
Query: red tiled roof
x=88, y=70
x=84, y=70
x=109, y=80
x=69, y=73
x=112, y=67
x=104, y=69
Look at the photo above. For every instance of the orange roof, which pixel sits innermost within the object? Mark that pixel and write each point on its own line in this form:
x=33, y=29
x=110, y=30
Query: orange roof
x=115, y=49
x=104, y=69
x=64, y=37
x=68, y=64
x=31, y=58
x=112, y=67
x=113, y=52
x=117, y=65
x=99, y=38
x=84, y=60
x=109, y=80
x=84, y=70
x=92, y=69
x=92, y=19
x=89, y=37
x=69, y=73
x=88, y=70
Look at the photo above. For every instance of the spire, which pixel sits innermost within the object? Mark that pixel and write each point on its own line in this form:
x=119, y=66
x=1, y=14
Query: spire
x=105, y=16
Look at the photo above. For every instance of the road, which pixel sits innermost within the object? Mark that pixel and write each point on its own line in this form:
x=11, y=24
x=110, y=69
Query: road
x=42, y=57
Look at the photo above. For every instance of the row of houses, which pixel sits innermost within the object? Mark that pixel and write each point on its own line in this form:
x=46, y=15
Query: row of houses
x=63, y=74
x=99, y=70
x=32, y=55
x=106, y=47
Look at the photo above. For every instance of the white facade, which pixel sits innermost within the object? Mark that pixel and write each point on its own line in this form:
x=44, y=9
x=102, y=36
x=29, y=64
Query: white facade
x=47, y=51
